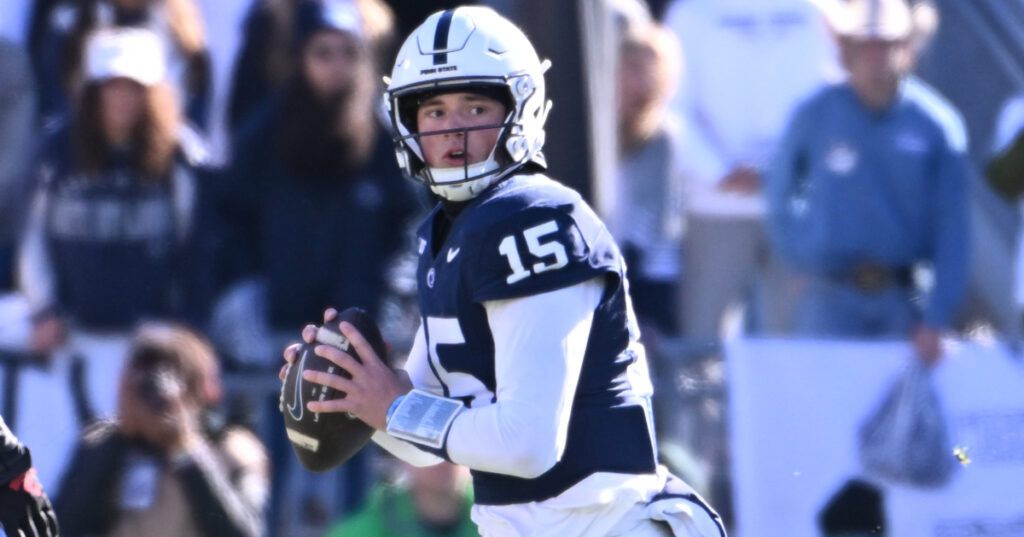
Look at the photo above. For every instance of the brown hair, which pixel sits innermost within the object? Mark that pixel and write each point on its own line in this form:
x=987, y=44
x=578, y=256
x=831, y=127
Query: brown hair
x=155, y=135
x=333, y=136
x=654, y=39
x=167, y=344
x=338, y=135
x=378, y=23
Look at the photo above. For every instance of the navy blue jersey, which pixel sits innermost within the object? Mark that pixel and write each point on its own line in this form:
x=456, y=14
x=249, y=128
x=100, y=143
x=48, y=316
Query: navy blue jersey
x=525, y=236
x=115, y=240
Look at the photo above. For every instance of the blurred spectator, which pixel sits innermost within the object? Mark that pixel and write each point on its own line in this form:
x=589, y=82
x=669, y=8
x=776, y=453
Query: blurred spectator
x=223, y=21
x=314, y=163
x=749, y=62
x=108, y=239
x=1005, y=173
x=650, y=180
x=17, y=136
x=273, y=37
x=61, y=52
x=867, y=188
x=431, y=501
x=165, y=465
x=314, y=211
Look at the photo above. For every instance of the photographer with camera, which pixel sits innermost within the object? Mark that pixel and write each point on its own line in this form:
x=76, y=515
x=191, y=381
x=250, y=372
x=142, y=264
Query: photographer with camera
x=166, y=465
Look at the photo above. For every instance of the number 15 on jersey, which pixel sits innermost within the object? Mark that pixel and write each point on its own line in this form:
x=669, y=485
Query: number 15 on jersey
x=538, y=248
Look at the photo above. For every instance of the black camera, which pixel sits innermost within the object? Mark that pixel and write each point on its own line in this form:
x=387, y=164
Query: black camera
x=159, y=387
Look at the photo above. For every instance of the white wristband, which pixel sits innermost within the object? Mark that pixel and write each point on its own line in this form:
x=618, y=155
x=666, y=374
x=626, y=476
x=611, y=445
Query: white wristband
x=424, y=418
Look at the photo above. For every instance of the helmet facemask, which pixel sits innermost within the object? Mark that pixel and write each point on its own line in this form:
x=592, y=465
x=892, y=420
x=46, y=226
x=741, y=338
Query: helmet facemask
x=463, y=182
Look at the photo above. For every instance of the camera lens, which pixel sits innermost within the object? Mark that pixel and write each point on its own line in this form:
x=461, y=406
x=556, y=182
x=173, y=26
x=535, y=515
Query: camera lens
x=159, y=387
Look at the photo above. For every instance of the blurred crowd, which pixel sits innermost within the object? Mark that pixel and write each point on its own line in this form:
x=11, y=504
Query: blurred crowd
x=184, y=184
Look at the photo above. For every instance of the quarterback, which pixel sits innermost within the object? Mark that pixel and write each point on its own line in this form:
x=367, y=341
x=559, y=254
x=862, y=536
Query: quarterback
x=527, y=366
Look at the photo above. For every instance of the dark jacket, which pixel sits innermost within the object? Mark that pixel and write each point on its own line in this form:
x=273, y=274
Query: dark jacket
x=225, y=492
x=319, y=238
x=111, y=248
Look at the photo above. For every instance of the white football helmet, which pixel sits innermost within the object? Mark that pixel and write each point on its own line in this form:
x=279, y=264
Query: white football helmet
x=476, y=49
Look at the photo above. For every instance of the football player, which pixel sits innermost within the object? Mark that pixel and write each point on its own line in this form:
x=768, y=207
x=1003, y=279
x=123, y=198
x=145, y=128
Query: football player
x=527, y=366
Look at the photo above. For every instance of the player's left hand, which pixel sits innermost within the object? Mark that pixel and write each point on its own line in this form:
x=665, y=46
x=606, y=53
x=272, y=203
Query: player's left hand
x=372, y=388
x=25, y=511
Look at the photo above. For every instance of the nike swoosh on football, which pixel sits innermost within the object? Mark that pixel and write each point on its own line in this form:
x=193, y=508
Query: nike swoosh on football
x=452, y=252
x=297, y=403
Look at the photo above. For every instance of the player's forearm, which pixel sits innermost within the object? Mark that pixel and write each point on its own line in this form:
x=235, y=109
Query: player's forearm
x=524, y=438
x=539, y=342
x=418, y=368
x=405, y=451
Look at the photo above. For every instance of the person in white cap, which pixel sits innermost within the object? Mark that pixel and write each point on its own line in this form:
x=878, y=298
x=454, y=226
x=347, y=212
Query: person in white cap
x=60, y=48
x=868, y=187
x=108, y=235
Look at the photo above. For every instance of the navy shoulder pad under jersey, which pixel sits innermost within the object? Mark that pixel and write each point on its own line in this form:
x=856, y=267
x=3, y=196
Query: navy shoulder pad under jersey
x=529, y=235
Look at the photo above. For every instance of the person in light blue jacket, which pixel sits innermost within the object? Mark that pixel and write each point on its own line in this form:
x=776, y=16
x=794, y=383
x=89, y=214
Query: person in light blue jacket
x=867, y=189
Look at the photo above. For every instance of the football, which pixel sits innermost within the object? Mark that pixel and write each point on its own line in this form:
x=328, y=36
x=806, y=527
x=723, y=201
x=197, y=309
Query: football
x=324, y=440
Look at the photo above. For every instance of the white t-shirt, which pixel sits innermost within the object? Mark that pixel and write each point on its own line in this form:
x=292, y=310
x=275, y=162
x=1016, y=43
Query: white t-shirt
x=748, y=63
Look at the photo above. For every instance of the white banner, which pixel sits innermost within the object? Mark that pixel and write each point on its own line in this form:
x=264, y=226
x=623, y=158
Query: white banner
x=796, y=407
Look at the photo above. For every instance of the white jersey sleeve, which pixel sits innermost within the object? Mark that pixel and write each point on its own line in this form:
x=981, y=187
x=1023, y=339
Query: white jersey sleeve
x=539, y=343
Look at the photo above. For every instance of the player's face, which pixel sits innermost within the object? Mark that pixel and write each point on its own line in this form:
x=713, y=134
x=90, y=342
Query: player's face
x=458, y=111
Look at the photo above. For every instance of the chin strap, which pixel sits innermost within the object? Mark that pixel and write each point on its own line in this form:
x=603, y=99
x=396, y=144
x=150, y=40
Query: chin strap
x=461, y=183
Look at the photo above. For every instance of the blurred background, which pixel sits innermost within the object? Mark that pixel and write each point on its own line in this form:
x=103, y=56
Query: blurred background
x=227, y=165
